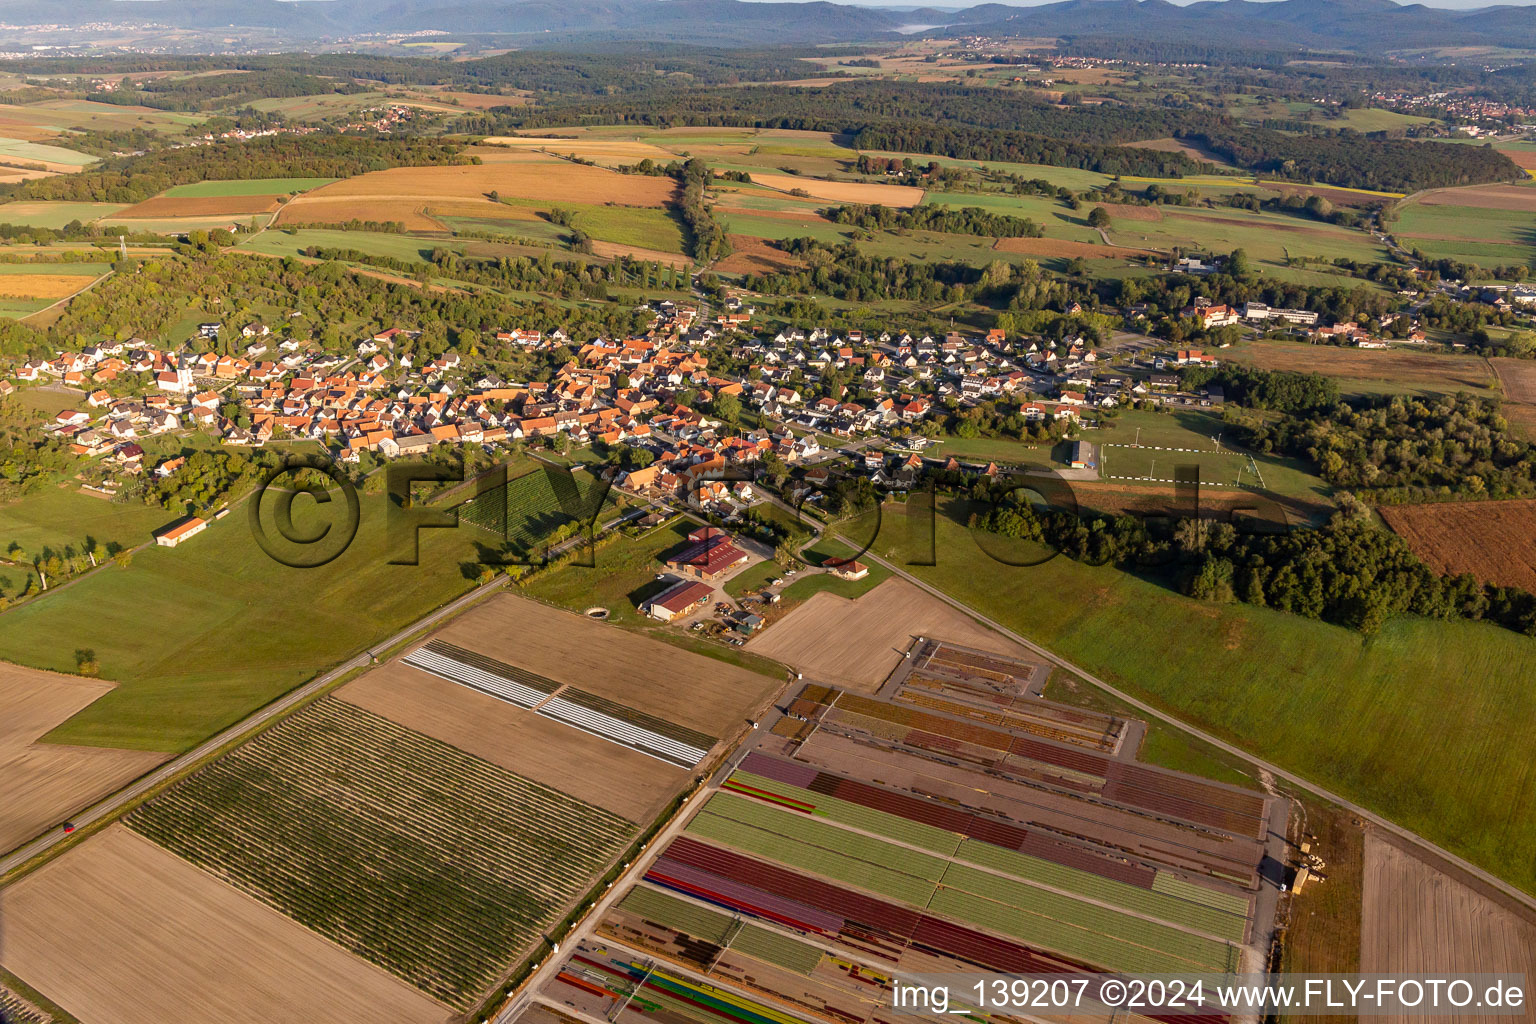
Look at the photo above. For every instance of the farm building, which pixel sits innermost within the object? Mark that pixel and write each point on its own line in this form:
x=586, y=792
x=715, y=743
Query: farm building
x=854, y=570
x=170, y=536
x=709, y=554
x=678, y=600
x=1082, y=456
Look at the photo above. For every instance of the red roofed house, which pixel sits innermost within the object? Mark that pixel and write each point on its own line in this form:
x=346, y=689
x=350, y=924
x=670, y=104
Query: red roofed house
x=678, y=600
x=709, y=554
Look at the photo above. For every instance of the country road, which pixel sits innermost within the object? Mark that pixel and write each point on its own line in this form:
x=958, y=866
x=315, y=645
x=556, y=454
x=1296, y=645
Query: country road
x=108, y=808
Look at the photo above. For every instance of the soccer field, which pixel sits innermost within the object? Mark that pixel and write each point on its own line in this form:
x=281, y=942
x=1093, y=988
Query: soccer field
x=1166, y=465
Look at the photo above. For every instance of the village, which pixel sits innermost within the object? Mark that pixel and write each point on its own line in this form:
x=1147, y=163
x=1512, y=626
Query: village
x=647, y=409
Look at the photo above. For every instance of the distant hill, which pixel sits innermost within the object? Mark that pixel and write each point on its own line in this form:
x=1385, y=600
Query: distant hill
x=1360, y=25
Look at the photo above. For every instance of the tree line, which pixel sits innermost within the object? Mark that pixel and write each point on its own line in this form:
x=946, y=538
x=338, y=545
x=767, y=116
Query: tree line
x=136, y=178
x=970, y=220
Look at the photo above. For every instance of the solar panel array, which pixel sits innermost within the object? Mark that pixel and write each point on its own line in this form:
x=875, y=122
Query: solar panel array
x=590, y=713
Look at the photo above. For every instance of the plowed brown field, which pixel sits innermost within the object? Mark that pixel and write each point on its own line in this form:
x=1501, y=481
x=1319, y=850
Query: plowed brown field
x=613, y=250
x=44, y=783
x=120, y=931
x=1493, y=540
x=1418, y=920
x=843, y=191
x=1489, y=197
x=754, y=256
x=529, y=176
x=206, y=206
x=857, y=643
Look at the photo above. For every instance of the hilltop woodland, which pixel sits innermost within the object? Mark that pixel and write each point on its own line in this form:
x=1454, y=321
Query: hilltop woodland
x=133, y=179
x=990, y=124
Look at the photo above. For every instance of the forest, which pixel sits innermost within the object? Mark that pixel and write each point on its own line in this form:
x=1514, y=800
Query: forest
x=969, y=220
x=1396, y=449
x=1358, y=161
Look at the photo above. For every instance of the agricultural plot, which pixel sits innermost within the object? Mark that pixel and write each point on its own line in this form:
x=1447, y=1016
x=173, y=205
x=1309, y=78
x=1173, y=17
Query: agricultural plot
x=653, y=677
x=1425, y=722
x=588, y=712
x=402, y=193
x=55, y=158
x=244, y=187
x=120, y=930
x=1492, y=236
x=1266, y=237
x=897, y=196
x=587, y=767
x=377, y=243
x=175, y=207
x=1495, y=541
x=46, y=782
x=1372, y=371
x=55, y=215
x=28, y=287
x=342, y=820
x=532, y=507
x=858, y=643
x=1417, y=920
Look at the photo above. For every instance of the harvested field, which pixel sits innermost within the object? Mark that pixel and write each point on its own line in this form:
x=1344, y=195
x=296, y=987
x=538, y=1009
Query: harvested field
x=1488, y=197
x=591, y=769
x=1067, y=249
x=613, y=250
x=754, y=256
x=1394, y=367
x=1495, y=541
x=591, y=148
x=1172, y=145
x=527, y=176
x=42, y=286
x=118, y=931
x=1525, y=158
x=648, y=675
x=439, y=867
x=210, y=206
x=410, y=211
x=1130, y=211
x=1518, y=377
x=483, y=209
x=857, y=643
x=843, y=191
x=44, y=782
x=1418, y=920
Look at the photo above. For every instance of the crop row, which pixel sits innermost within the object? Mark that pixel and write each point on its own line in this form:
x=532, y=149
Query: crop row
x=433, y=864
x=1029, y=901
x=779, y=950
x=1226, y=918
x=671, y=912
x=1173, y=885
x=872, y=877
x=1163, y=906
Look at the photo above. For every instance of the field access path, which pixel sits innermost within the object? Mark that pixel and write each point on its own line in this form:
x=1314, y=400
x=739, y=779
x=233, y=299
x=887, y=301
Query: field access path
x=108, y=809
x=1443, y=859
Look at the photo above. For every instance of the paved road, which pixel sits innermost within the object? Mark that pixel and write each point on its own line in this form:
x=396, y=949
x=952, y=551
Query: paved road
x=112, y=805
x=1414, y=840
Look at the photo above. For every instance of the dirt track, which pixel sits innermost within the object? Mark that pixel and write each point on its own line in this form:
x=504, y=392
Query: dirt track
x=857, y=643
x=119, y=931
x=1420, y=921
x=44, y=783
